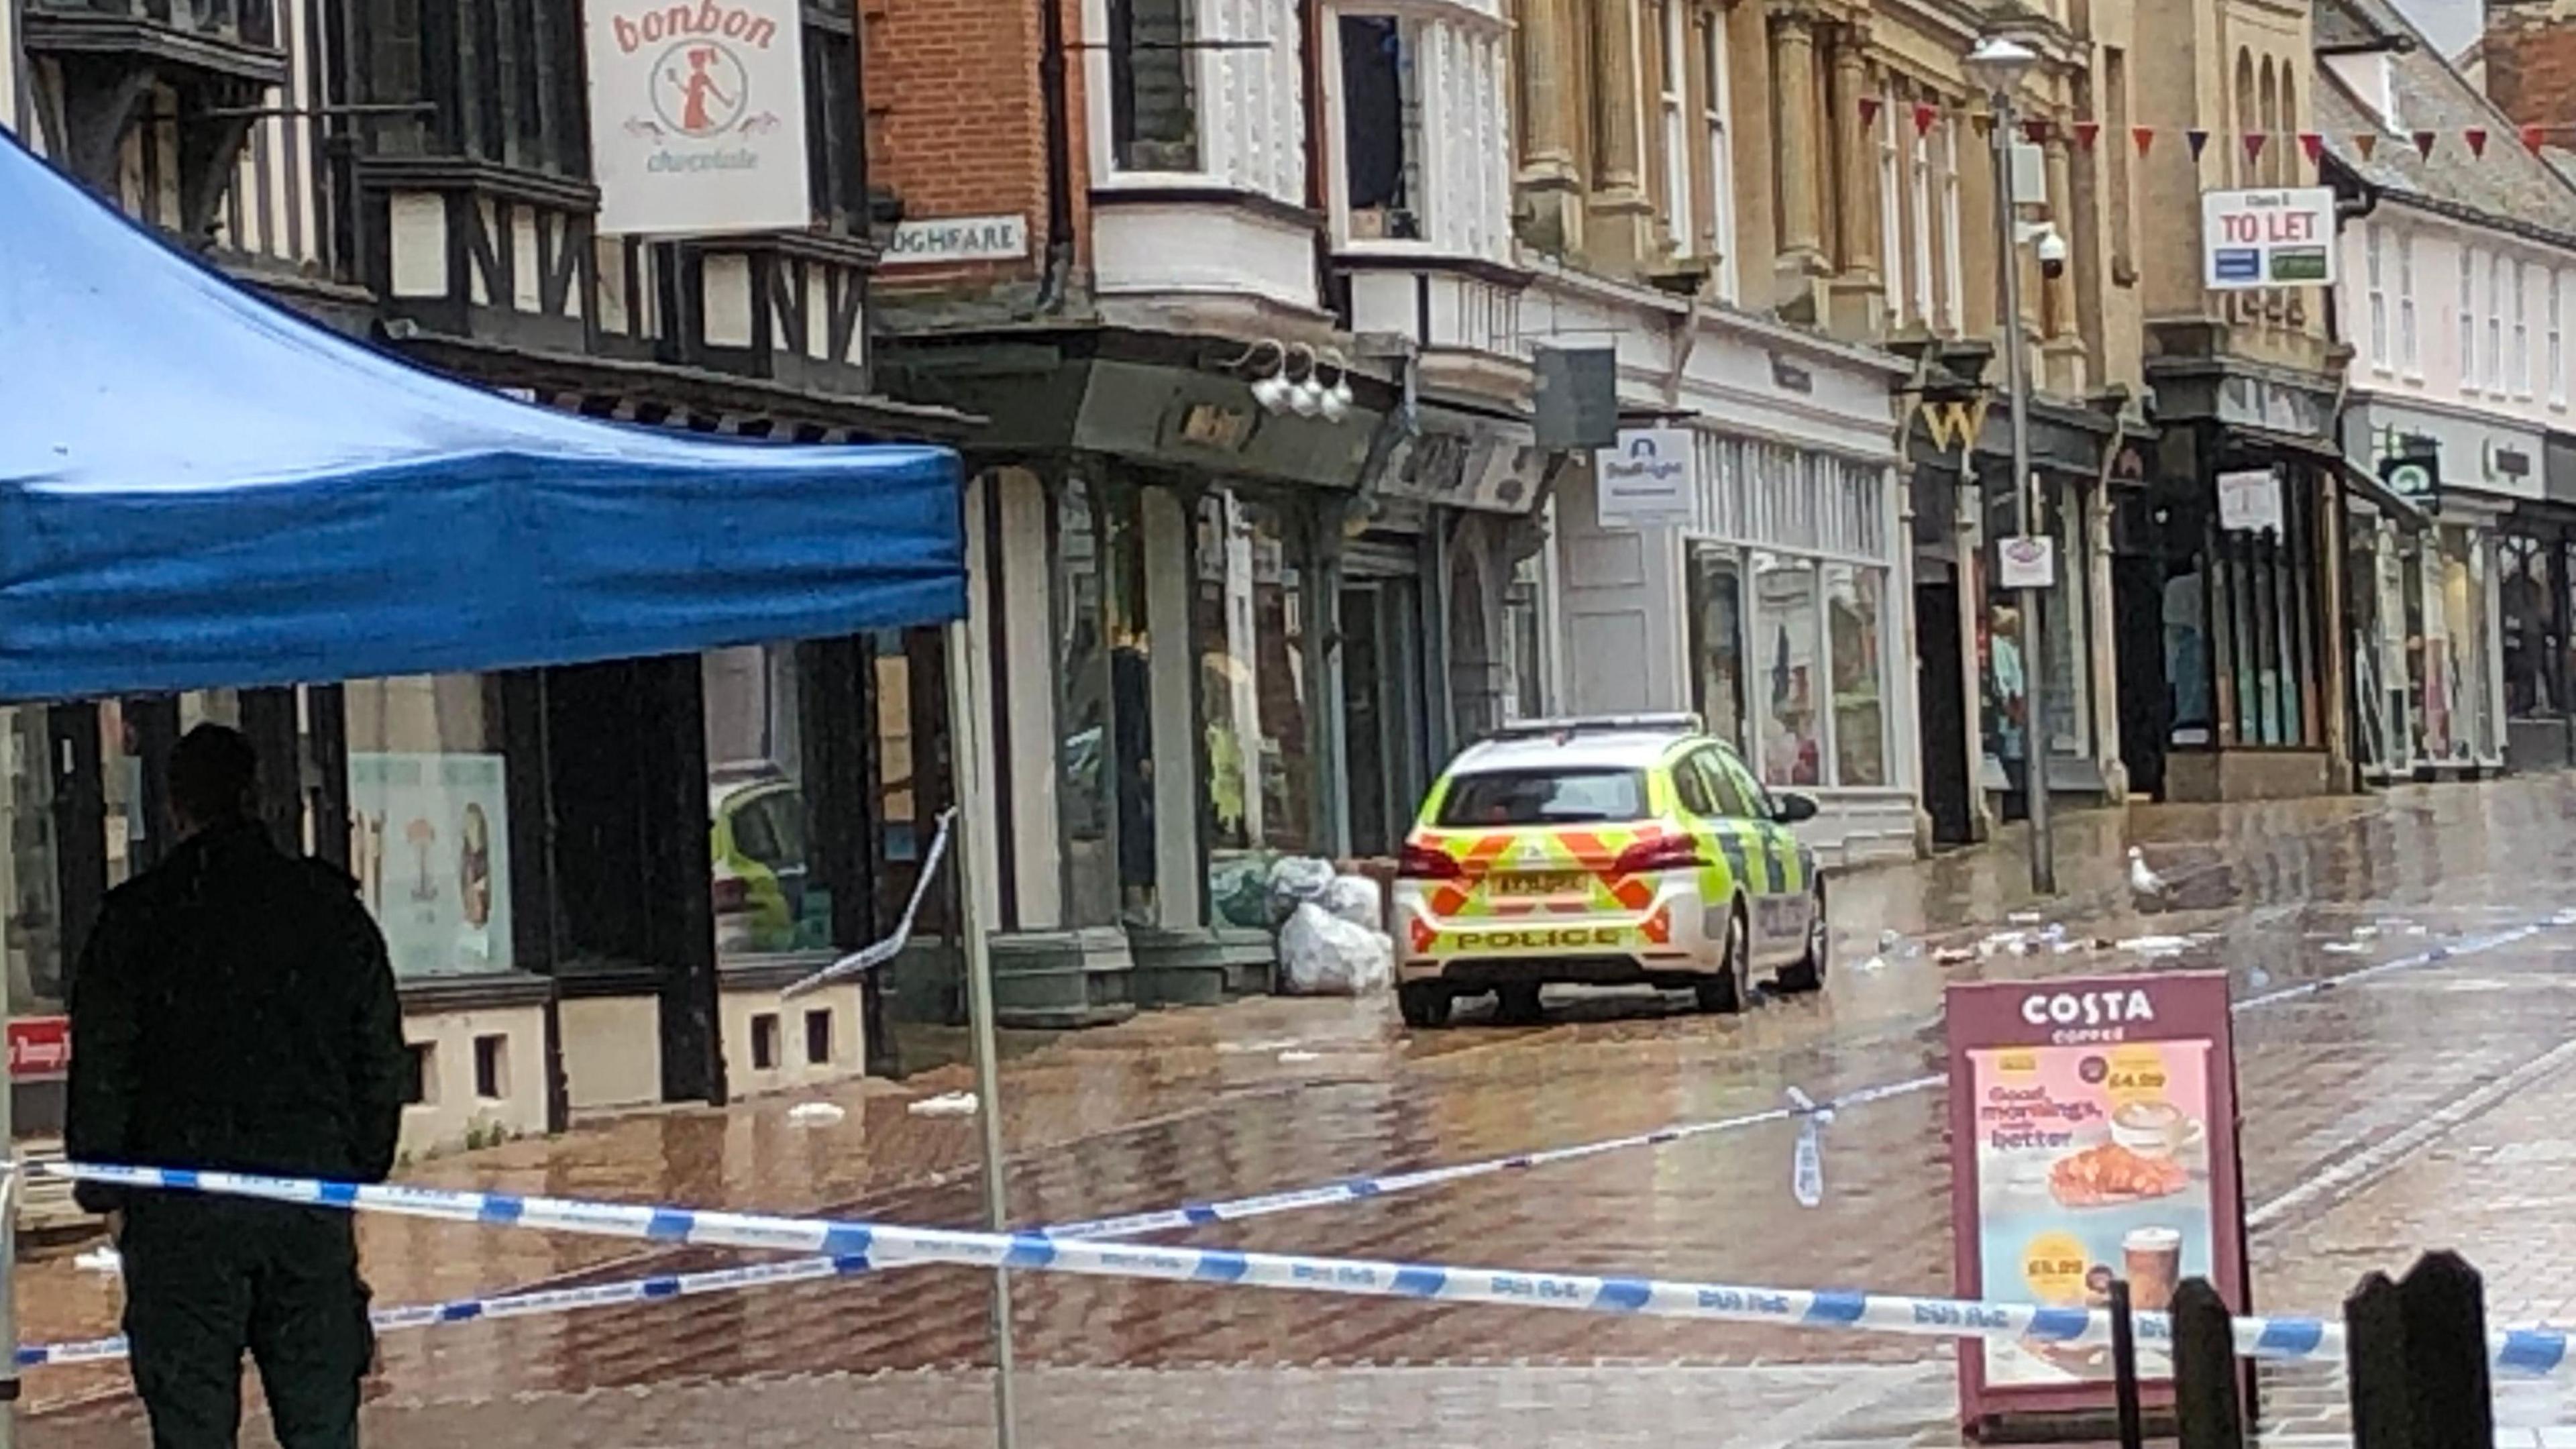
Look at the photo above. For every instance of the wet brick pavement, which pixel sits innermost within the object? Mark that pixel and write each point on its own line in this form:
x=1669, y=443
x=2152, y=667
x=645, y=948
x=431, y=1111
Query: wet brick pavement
x=1201, y=1105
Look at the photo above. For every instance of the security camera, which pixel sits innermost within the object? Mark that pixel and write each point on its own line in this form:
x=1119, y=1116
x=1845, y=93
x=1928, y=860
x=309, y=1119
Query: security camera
x=2052, y=254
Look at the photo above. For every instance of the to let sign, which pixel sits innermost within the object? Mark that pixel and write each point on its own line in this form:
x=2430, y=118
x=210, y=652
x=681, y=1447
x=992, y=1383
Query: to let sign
x=2092, y=1139
x=2268, y=238
x=40, y=1048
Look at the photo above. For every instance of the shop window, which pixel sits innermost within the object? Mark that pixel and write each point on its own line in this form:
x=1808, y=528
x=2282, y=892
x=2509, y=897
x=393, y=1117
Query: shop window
x=1249, y=624
x=492, y=1067
x=2005, y=681
x=1382, y=127
x=429, y=818
x=1153, y=100
x=769, y=897
x=764, y=1042
x=1854, y=606
x=818, y=1037
x=1788, y=643
x=1717, y=642
x=2522, y=565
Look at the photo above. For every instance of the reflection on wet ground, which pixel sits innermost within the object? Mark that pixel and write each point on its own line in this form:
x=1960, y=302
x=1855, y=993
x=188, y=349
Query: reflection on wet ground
x=1271, y=1094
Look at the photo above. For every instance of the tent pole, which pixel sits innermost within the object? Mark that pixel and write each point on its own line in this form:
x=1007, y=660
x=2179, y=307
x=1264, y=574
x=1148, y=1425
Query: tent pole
x=966, y=741
x=12, y=1190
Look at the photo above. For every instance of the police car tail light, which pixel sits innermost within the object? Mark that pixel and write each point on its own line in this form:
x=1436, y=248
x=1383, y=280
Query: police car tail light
x=1422, y=862
x=1669, y=852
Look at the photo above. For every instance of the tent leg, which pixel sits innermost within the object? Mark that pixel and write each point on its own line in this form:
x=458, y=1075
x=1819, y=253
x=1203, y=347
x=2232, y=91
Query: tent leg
x=966, y=740
x=12, y=1191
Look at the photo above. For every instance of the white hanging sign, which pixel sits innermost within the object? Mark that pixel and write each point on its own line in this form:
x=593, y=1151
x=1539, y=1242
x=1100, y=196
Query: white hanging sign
x=1649, y=480
x=697, y=116
x=2027, y=562
x=2249, y=501
x=2268, y=238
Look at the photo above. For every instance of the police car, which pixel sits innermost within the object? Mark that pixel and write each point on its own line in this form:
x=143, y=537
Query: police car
x=1608, y=851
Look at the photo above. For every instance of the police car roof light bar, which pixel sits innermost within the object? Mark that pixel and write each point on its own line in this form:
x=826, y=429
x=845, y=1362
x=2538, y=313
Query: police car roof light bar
x=1600, y=724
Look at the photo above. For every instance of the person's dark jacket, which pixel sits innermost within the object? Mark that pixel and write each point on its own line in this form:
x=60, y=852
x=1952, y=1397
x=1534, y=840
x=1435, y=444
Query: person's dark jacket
x=234, y=1009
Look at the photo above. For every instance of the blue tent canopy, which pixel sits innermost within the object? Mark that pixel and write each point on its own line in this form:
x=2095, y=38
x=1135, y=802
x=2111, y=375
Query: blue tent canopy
x=200, y=488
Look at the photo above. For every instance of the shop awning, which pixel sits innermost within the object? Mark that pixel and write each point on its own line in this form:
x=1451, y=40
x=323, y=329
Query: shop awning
x=199, y=488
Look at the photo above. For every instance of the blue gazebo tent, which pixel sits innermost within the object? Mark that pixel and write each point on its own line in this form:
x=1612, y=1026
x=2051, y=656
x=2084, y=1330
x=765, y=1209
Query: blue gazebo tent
x=200, y=488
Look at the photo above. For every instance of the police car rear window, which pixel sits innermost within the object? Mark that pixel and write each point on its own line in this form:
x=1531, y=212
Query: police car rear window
x=1543, y=797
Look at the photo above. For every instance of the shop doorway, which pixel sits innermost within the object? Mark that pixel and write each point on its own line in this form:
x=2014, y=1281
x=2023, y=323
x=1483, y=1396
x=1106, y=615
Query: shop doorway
x=1384, y=712
x=2146, y=695
x=1946, y=796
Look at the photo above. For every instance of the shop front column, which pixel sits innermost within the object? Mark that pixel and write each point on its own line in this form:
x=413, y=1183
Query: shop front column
x=1968, y=526
x=2063, y=349
x=1621, y=214
x=1793, y=84
x=2328, y=546
x=2101, y=613
x=1860, y=301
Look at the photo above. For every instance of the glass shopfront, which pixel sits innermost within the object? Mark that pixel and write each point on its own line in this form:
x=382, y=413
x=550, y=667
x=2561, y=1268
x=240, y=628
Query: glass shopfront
x=1787, y=627
x=2004, y=636
x=1252, y=564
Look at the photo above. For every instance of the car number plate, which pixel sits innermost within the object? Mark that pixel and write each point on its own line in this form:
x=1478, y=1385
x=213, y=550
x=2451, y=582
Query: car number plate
x=1540, y=883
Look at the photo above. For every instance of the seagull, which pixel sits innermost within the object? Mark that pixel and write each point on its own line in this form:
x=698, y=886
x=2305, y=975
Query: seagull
x=2143, y=882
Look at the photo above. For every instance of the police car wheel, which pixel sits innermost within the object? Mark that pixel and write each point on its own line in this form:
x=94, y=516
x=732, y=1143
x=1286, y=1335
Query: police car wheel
x=1517, y=1002
x=1723, y=993
x=1425, y=1004
x=1807, y=973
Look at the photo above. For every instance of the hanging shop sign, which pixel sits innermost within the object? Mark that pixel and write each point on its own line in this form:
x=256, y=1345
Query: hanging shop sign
x=40, y=1048
x=2092, y=1139
x=697, y=116
x=429, y=841
x=2026, y=562
x=2268, y=238
x=1648, y=480
x=2249, y=501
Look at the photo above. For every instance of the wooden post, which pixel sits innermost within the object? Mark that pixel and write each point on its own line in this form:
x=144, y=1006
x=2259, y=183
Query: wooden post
x=2206, y=1412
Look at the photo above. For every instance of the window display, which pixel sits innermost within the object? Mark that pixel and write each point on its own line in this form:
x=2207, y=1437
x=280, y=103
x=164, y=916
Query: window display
x=429, y=822
x=1785, y=631
x=1853, y=604
x=1717, y=642
x=1250, y=636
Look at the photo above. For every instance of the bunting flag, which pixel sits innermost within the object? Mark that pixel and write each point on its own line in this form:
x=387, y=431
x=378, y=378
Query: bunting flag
x=2254, y=145
x=2199, y=140
x=2365, y=142
x=2314, y=145
x=1925, y=115
x=2533, y=138
x=2476, y=136
x=2424, y=143
x=2035, y=130
x=1869, y=106
x=2086, y=133
x=2144, y=136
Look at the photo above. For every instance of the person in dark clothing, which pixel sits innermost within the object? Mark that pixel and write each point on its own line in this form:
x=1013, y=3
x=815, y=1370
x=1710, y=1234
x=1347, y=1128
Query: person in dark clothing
x=235, y=1010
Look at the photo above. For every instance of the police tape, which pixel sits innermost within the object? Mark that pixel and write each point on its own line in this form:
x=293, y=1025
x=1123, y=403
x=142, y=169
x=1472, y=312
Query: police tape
x=855, y=1247
x=1195, y=1215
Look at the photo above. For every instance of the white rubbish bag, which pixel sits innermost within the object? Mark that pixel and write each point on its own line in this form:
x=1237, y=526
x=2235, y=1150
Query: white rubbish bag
x=1320, y=954
x=1295, y=879
x=1354, y=898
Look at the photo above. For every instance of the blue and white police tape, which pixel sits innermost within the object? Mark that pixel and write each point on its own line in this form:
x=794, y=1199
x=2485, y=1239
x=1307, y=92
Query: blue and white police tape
x=880, y=1246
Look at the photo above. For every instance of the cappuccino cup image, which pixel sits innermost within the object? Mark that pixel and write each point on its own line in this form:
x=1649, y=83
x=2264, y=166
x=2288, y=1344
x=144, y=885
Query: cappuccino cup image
x=2153, y=1128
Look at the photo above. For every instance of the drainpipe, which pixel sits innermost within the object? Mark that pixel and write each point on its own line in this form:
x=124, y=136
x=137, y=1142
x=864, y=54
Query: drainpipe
x=1058, y=274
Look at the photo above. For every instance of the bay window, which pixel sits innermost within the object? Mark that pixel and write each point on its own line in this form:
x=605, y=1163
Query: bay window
x=1208, y=90
x=1153, y=93
x=1416, y=99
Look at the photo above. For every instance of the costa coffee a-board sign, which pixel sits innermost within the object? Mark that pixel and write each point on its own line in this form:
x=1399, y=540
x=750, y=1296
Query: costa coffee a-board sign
x=697, y=116
x=40, y=1048
x=2092, y=1138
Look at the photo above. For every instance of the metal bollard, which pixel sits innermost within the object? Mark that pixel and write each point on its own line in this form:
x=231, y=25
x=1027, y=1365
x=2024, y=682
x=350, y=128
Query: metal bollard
x=2208, y=1412
x=2417, y=1353
x=2124, y=1367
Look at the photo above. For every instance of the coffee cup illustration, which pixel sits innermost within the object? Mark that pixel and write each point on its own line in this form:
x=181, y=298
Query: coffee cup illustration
x=2151, y=1258
x=2154, y=1128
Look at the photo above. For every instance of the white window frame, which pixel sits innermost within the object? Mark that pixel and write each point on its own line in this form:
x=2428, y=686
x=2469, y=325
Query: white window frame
x=1716, y=119
x=1927, y=218
x=1672, y=101
x=1461, y=69
x=2410, y=353
x=2521, y=329
x=1891, y=206
x=2468, y=320
x=2557, y=349
x=1952, y=312
x=2494, y=374
x=1248, y=98
x=2374, y=248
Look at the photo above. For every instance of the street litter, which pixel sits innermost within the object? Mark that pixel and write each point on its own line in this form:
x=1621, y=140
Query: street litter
x=1322, y=954
x=1872, y=965
x=816, y=1114
x=100, y=1260
x=2024, y=918
x=1953, y=956
x=1256, y=1048
x=946, y=1104
x=1294, y=1058
x=2156, y=945
x=2015, y=942
x=2346, y=948
x=2364, y=933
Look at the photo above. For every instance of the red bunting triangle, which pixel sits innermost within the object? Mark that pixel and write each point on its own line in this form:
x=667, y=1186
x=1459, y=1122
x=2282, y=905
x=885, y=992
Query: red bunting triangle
x=2424, y=143
x=2199, y=140
x=1925, y=113
x=1869, y=106
x=2314, y=145
x=2365, y=142
x=2476, y=136
x=2086, y=133
x=2035, y=130
x=2254, y=145
x=2144, y=136
x=2533, y=138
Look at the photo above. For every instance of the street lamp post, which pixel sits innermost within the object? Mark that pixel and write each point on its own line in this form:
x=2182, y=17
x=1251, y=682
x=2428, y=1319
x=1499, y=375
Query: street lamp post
x=1998, y=65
